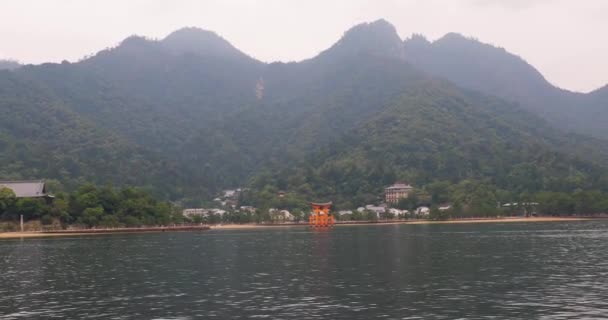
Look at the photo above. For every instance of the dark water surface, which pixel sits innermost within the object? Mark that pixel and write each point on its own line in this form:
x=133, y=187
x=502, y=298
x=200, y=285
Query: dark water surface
x=499, y=271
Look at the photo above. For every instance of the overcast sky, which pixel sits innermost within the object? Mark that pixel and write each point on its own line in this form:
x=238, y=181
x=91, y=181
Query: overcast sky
x=567, y=40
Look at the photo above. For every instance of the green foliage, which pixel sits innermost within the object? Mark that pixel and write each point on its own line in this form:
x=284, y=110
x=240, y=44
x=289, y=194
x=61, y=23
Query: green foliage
x=437, y=214
x=41, y=137
x=92, y=206
x=7, y=199
x=46, y=220
x=555, y=203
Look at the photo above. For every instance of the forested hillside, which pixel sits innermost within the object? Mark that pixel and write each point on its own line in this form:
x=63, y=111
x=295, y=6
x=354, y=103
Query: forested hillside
x=434, y=134
x=494, y=71
x=190, y=114
x=41, y=137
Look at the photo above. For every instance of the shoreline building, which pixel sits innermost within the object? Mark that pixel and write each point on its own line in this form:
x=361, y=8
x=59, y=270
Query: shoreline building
x=397, y=191
x=28, y=189
x=202, y=212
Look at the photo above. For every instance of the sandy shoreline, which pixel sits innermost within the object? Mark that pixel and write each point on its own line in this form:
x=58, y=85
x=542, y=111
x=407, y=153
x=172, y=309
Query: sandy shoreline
x=32, y=234
x=382, y=223
x=88, y=232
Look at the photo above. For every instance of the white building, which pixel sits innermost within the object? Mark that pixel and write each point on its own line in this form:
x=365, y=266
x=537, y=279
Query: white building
x=189, y=213
x=283, y=215
x=287, y=216
x=229, y=193
x=423, y=211
x=445, y=207
x=249, y=209
x=219, y=212
x=202, y=212
x=344, y=212
x=375, y=209
x=398, y=213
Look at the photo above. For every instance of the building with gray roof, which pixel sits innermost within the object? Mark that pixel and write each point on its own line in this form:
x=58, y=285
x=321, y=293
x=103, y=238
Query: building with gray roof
x=27, y=188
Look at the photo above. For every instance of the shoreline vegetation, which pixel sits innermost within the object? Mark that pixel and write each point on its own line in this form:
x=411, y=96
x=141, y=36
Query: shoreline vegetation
x=87, y=232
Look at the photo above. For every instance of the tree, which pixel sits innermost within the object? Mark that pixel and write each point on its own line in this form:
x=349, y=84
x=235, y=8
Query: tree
x=555, y=203
x=7, y=199
x=31, y=208
x=437, y=214
x=91, y=216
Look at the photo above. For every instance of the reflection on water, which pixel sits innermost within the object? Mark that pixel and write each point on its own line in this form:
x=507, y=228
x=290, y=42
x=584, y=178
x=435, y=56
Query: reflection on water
x=499, y=271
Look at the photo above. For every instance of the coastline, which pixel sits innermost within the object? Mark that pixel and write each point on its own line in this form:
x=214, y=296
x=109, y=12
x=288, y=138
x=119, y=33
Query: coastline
x=89, y=232
x=382, y=223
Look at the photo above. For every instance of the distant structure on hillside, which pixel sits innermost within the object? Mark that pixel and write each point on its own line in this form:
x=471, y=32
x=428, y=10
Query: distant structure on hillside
x=230, y=197
x=396, y=192
x=28, y=189
x=202, y=212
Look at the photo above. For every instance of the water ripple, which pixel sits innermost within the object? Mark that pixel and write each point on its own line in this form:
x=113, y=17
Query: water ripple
x=502, y=271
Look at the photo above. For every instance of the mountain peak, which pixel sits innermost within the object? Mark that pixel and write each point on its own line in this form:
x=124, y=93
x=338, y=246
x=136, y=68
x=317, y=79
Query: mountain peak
x=7, y=64
x=193, y=34
x=454, y=36
x=199, y=41
x=456, y=40
x=135, y=41
x=378, y=38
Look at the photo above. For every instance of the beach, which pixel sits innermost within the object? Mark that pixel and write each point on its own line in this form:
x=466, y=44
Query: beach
x=88, y=232
x=388, y=222
x=40, y=234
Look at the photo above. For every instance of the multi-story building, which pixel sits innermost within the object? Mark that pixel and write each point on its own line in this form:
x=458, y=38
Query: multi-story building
x=396, y=192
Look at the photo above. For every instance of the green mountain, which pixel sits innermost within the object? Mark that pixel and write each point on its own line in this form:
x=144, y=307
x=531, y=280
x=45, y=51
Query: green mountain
x=40, y=137
x=494, y=71
x=190, y=114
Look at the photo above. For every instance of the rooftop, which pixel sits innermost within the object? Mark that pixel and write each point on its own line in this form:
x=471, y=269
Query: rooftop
x=400, y=185
x=26, y=188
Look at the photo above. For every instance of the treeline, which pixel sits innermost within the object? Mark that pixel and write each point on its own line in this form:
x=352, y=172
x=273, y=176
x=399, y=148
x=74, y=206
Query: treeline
x=259, y=216
x=467, y=198
x=91, y=206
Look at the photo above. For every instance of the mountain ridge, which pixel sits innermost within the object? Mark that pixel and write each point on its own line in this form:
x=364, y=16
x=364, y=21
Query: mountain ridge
x=7, y=64
x=193, y=40
x=324, y=126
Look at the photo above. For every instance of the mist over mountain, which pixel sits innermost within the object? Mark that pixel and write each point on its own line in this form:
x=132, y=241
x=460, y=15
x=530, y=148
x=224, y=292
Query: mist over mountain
x=491, y=70
x=378, y=38
x=201, y=42
x=601, y=93
x=9, y=64
x=191, y=114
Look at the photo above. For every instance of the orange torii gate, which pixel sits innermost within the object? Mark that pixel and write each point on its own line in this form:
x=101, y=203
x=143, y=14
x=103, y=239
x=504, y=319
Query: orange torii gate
x=320, y=216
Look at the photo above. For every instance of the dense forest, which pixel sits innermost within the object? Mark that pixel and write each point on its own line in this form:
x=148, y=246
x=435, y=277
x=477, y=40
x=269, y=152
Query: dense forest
x=183, y=117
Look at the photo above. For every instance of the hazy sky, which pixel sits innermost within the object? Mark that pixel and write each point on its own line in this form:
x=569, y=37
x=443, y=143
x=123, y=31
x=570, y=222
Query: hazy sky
x=567, y=40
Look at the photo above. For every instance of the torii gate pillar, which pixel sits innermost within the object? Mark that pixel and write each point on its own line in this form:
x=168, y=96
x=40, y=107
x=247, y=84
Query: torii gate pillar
x=320, y=216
